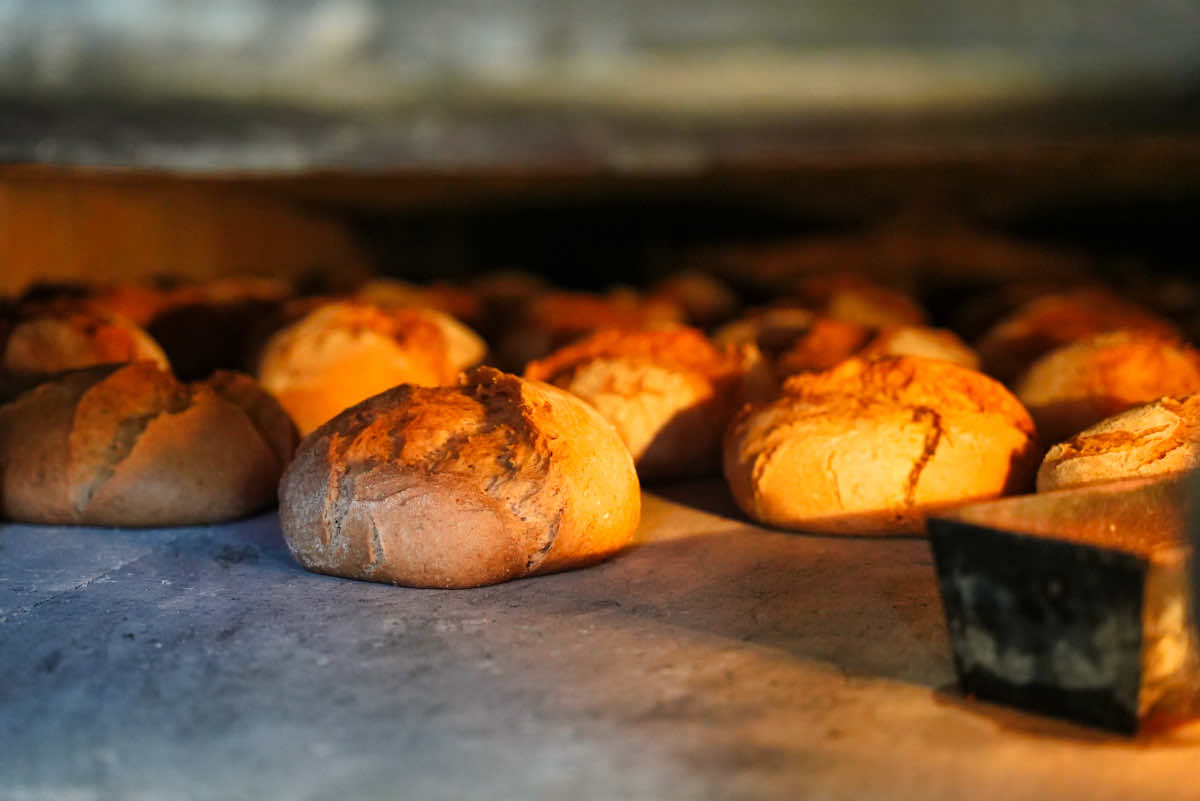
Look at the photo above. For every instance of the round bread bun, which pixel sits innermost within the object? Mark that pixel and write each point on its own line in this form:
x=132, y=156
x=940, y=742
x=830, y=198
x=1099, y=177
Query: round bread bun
x=920, y=340
x=870, y=447
x=853, y=298
x=342, y=352
x=705, y=299
x=128, y=445
x=1080, y=384
x=207, y=327
x=1039, y=326
x=460, y=486
x=772, y=330
x=1154, y=439
x=826, y=343
x=550, y=320
x=68, y=336
x=669, y=393
x=459, y=303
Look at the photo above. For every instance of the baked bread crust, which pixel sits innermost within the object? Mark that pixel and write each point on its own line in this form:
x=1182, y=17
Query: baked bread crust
x=669, y=393
x=460, y=486
x=853, y=298
x=923, y=341
x=1041, y=325
x=1082, y=383
x=458, y=302
x=871, y=446
x=68, y=336
x=342, y=352
x=1155, y=439
x=553, y=319
x=128, y=445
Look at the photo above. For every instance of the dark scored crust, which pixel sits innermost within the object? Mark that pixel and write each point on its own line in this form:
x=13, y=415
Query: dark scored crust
x=128, y=445
x=458, y=486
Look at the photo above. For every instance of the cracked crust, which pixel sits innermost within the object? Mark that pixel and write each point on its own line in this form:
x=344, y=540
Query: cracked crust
x=1155, y=439
x=494, y=479
x=1080, y=384
x=342, y=352
x=870, y=447
x=669, y=393
x=128, y=445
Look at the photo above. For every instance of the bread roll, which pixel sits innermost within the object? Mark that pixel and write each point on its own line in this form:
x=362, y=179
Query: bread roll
x=796, y=340
x=128, y=445
x=705, y=300
x=1080, y=384
x=826, y=343
x=343, y=352
x=772, y=330
x=460, y=486
x=669, y=393
x=553, y=319
x=853, y=298
x=459, y=303
x=920, y=340
x=1155, y=439
x=1041, y=325
x=208, y=326
x=67, y=336
x=870, y=447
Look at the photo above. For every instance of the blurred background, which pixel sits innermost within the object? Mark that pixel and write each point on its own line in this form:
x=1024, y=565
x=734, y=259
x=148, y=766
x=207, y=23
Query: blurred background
x=438, y=138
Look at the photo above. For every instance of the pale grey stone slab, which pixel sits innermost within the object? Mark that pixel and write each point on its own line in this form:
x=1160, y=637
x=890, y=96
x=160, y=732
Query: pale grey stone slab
x=713, y=660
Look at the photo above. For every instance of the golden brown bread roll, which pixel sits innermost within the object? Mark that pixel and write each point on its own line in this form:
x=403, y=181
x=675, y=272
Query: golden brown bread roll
x=459, y=303
x=70, y=335
x=853, y=298
x=550, y=320
x=1039, y=326
x=797, y=340
x=1077, y=385
x=669, y=393
x=128, y=445
x=826, y=343
x=870, y=447
x=705, y=299
x=460, y=486
x=202, y=327
x=1155, y=439
x=773, y=329
x=343, y=352
x=920, y=340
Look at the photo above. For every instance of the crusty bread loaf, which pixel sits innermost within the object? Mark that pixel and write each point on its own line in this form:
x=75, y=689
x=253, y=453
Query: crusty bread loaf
x=773, y=329
x=62, y=336
x=460, y=486
x=1080, y=384
x=669, y=393
x=705, y=299
x=854, y=298
x=343, y=352
x=458, y=302
x=128, y=445
x=870, y=446
x=826, y=343
x=920, y=340
x=1154, y=439
x=1041, y=325
x=797, y=340
x=550, y=320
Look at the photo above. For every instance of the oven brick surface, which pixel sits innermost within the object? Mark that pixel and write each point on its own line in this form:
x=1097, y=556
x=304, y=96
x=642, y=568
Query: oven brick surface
x=713, y=660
